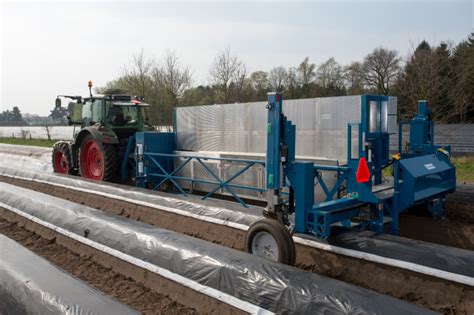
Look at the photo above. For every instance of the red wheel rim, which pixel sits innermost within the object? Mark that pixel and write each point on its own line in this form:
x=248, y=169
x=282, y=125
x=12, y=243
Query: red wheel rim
x=60, y=162
x=92, y=160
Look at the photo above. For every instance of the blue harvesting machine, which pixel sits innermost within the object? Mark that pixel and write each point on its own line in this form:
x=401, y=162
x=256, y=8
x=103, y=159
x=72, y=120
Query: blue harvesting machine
x=362, y=195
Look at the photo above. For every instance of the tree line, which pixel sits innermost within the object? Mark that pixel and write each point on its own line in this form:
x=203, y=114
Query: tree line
x=12, y=117
x=444, y=75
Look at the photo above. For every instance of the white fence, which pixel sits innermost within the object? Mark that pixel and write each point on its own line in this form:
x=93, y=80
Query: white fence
x=459, y=136
x=56, y=132
x=37, y=132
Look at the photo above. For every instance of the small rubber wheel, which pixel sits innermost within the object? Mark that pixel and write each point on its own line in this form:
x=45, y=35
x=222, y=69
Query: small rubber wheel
x=270, y=239
x=62, y=162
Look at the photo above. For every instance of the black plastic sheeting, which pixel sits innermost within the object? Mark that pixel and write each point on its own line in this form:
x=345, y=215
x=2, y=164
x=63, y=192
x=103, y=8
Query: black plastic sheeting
x=218, y=209
x=273, y=286
x=31, y=285
x=450, y=259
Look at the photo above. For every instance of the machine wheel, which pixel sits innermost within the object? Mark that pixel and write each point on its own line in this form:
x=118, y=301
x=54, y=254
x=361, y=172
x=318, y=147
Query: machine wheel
x=97, y=161
x=62, y=159
x=270, y=239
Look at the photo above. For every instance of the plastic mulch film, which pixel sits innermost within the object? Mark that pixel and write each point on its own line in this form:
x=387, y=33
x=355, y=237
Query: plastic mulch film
x=270, y=285
x=26, y=157
x=31, y=285
x=449, y=259
x=223, y=210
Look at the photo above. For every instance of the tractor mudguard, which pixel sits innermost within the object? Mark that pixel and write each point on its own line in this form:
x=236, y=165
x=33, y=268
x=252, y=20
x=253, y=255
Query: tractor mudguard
x=106, y=136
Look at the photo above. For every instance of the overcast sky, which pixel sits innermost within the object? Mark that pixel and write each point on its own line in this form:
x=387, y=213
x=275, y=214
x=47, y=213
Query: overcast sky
x=50, y=48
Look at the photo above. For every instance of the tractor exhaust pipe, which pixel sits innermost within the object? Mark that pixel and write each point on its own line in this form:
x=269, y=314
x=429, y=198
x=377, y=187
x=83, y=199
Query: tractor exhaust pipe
x=89, y=84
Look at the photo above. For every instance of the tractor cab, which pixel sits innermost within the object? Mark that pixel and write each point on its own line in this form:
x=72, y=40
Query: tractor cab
x=118, y=113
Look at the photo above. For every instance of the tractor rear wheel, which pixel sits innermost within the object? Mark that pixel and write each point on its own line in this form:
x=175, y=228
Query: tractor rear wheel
x=62, y=158
x=270, y=239
x=97, y=161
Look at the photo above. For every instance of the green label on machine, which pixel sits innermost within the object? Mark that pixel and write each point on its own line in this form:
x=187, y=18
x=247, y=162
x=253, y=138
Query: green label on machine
x=270, y=179
x=269, y=128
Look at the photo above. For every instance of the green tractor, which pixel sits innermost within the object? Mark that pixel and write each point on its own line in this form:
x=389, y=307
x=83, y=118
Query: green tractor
x=101, y=149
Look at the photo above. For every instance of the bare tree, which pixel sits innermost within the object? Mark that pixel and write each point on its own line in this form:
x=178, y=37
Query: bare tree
x=48, y=128
x=306, y=72
x=136, y=77
x=259, y=80
x=353, y=78
x=171, y=77
x=25, y=133
x=380, y=69
x=278, y=77
x=240, y=80
x=292, y=83
x=329, y=73
x=223, y=71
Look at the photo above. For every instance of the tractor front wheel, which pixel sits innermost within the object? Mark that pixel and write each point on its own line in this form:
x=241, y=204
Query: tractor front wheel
x=62, y=159
x=97, y=161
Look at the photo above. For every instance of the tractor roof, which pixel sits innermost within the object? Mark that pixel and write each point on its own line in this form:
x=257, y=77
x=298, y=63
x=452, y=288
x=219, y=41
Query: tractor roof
x=131, y=103
x=118, y=99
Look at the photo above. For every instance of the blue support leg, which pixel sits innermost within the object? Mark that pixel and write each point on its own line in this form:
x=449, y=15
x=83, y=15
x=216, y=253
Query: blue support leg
x=125, y=160
x=395, y=224
x=377, y=224
x=301, y=178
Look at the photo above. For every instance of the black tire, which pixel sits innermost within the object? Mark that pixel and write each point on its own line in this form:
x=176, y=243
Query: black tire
x=111, y=162
x=65, y=164
x=109, y=158
x=281, y=236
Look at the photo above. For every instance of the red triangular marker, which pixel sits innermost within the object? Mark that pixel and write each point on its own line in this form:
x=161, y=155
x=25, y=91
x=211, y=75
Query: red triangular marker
x=363, y=173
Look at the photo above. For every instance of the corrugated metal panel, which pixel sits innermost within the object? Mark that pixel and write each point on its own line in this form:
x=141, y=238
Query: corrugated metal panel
x=321, y=126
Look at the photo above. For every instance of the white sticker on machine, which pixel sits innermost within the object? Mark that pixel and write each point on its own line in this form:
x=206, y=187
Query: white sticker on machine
x=430, y=166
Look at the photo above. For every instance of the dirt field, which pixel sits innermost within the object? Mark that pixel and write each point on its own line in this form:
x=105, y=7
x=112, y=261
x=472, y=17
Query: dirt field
x=443, y=296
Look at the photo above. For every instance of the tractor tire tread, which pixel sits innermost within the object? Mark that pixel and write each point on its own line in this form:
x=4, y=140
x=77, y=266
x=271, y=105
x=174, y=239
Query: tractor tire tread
x=111, y=162
x=63, y=146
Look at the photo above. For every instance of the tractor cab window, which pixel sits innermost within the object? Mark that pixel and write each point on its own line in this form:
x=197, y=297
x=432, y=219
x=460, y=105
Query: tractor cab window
x=87, y=113
x=75, y=111
x=92, y=112
x=125, y=115
x=133, y=114
x=97, y=111
x=116, y=116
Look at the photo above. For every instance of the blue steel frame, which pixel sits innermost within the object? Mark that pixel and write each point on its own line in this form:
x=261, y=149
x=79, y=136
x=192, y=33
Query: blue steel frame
x=226, y=184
